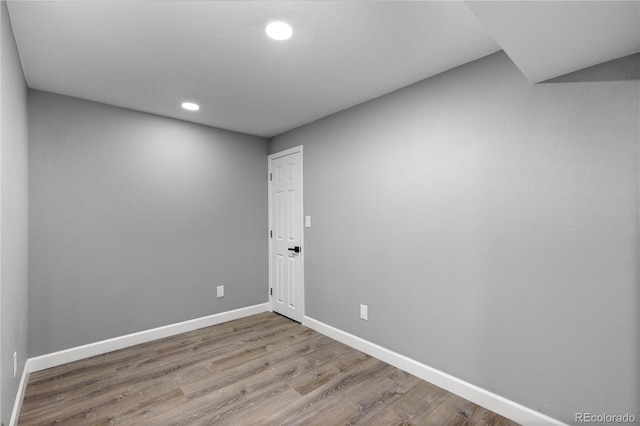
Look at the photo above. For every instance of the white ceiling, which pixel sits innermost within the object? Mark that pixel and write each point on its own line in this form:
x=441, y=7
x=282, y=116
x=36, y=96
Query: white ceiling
x=152, y=55
x=546, y=39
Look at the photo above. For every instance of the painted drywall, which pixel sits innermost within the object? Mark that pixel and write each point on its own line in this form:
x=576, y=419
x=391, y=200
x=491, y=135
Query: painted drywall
x=491, y=226
x=135, y=219
x=13, y=213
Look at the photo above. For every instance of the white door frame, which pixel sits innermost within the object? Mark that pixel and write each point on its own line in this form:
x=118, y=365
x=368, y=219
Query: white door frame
x=269, y=236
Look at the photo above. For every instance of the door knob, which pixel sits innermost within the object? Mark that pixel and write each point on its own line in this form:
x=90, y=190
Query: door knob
x=297, y=249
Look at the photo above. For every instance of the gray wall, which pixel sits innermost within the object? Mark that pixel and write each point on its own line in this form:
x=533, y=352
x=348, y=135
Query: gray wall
x=13, y=212
x=135, y=219
x=491, y=226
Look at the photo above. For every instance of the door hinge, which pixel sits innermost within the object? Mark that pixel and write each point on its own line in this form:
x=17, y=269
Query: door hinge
x=270, y=176
x=270, y=234
x=271, y=291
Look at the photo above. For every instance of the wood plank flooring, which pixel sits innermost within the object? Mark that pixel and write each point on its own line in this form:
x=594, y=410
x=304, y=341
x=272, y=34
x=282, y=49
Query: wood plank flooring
x=259, y=370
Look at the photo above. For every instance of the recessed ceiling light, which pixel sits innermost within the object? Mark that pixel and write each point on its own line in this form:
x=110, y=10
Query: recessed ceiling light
x=190, y=106
x=279, y=30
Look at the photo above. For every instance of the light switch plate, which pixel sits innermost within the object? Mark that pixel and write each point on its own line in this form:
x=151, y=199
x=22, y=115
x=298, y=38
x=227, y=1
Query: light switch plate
x=364, y=312
x=307, y=221
x=220, y=290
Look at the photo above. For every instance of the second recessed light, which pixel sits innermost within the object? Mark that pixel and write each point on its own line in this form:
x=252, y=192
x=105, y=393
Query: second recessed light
x=279, y=30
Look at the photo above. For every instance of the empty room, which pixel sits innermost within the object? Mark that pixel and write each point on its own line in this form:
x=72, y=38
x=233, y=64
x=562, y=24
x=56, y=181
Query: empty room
x=319, y=212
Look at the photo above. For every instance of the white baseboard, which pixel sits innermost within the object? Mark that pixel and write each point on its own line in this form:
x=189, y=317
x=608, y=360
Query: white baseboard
x=97, y=348
x=473, y=393
x=509, y=409
x=17, y=405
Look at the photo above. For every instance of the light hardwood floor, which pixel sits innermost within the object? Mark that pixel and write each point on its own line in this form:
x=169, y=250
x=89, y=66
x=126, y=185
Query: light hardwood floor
x=259, y=370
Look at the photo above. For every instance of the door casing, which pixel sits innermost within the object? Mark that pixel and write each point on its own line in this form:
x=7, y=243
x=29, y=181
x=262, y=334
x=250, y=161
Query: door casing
x=300, y=285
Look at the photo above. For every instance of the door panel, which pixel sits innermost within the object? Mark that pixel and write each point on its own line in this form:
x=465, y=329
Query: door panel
x=286, y=263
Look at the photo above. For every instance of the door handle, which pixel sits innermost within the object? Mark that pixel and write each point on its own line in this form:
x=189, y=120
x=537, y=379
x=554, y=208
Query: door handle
x=297, y=249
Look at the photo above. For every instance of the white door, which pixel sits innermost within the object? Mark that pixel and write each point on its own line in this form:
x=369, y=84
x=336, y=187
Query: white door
x=286, y=250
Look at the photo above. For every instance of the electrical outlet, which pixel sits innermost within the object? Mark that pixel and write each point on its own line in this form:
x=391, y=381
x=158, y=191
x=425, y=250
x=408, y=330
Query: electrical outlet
x=364, y=312
x=220, y=289
x=15, y=364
